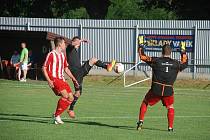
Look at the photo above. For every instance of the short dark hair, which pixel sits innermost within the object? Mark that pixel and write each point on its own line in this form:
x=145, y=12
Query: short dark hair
x=58, y=40
x=75, y=37
x=166, y=49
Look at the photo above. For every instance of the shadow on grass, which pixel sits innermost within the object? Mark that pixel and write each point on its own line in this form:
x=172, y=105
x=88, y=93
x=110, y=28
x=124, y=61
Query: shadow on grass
x=47, y=120
x=25, y=118
x=93, y=123
x=153, y=129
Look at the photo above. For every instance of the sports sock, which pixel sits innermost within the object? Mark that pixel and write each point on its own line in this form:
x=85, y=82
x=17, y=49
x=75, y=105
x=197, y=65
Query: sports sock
x=99, y=63
x=73, y=103
x=63, y=103
x=142, y=111
x=170, y=116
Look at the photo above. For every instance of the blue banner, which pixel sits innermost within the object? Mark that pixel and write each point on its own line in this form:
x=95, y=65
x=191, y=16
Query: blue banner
x=155, y=42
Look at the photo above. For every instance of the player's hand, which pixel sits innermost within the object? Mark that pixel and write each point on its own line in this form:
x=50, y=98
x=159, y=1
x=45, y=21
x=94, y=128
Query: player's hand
x=183, y=51
x=183, y=48
x=50, y=83
x=140, y=48
x=86, y=41
x=76, y=84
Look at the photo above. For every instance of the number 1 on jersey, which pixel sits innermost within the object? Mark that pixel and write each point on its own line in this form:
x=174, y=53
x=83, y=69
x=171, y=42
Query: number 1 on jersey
x=166, y=69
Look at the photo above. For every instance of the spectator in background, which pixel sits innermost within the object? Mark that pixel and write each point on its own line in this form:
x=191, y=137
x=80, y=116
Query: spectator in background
x=14, y=64
x=23, y=63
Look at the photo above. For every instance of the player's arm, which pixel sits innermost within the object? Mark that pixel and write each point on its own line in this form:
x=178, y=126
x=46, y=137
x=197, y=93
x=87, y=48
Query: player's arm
x=44, y=69
x=50, y=82
x=85, y=41
x=184, y=60
x=142, y=55
x=68, y=72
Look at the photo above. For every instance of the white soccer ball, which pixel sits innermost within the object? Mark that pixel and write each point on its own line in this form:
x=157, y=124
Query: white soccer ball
x=119, y=68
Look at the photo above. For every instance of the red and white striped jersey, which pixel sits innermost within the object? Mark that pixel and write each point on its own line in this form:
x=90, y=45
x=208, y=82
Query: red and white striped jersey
x=55, y=64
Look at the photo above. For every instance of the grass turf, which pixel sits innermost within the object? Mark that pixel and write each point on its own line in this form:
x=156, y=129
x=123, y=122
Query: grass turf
x=103, y=112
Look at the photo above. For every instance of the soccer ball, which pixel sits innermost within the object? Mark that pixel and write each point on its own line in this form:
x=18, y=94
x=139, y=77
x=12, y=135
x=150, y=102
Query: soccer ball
x=119, y=67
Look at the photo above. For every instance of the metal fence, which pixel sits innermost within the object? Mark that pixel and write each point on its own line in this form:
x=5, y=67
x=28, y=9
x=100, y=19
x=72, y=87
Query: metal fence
x=117, y=39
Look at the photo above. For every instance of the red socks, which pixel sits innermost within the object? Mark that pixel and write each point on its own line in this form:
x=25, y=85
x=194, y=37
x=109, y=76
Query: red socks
x=170, y=116
x=62, y=105
x=142, y=111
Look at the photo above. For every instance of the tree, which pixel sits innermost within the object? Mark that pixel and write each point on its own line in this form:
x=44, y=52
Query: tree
x=97, y=9
x=80, y=13
x=188, y=9
x=133, y=9
x=184, y=9
x=107, y=9
x=15, y=8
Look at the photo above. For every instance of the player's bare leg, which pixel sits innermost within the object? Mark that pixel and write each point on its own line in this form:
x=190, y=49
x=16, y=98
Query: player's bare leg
x=71, y=112
x=99, y=63
x=63, y=103
x=19, y=74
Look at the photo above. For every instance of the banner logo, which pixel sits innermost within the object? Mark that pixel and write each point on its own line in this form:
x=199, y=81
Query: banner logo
x=155, y=42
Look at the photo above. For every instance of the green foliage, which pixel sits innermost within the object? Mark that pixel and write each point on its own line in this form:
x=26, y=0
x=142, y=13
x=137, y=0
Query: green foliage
x=121, y=9
x=160, y=14
x=117, y=9
x=80, y=13
x=131, y=9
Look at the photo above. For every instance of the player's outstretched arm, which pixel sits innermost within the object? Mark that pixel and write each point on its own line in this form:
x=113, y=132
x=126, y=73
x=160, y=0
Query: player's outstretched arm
x=184, y=61
x=85, y=41
x=142, y=56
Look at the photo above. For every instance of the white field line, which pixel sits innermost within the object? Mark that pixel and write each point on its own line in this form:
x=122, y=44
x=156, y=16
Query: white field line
x=21, y=85
x=102, y=117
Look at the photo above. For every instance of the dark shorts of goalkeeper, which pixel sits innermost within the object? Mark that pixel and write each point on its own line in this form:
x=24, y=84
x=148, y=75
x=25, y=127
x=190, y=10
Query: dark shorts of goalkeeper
x=152, y=99
x=79, y=74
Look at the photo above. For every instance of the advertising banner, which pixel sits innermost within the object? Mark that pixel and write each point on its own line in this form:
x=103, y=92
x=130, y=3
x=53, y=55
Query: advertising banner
x=155, y=42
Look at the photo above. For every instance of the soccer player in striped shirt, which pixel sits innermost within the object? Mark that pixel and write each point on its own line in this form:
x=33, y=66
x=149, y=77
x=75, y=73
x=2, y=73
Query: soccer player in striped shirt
x=54, y=67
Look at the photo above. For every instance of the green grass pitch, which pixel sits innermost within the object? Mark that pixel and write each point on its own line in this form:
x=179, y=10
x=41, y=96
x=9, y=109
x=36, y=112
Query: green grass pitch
x=102, y=113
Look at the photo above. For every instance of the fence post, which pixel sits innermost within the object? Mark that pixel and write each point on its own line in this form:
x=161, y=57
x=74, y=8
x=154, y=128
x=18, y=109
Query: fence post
x=28, y=26
x=136, y=49
x=80, y=35
x=195, y=47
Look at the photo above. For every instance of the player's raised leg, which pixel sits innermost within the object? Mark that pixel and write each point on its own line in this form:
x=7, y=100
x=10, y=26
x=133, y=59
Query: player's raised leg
x=86, y=67
x=99, y=63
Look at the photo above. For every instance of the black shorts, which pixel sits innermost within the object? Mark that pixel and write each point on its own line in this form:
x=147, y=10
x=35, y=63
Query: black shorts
x=80, y=73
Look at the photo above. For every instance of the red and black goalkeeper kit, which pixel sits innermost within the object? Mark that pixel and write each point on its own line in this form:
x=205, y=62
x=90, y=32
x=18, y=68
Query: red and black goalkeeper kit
x=164, y=74
x=165, y=71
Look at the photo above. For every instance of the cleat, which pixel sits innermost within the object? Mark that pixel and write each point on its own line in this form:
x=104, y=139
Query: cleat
x=22, y=80
x=110, y=65
x=139, y=125
x=57, y=120
x=170, y=129
x=71, y=114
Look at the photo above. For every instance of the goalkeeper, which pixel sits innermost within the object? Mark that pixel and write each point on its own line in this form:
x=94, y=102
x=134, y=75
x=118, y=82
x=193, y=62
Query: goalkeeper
x=165, y=70
x=80, y=71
